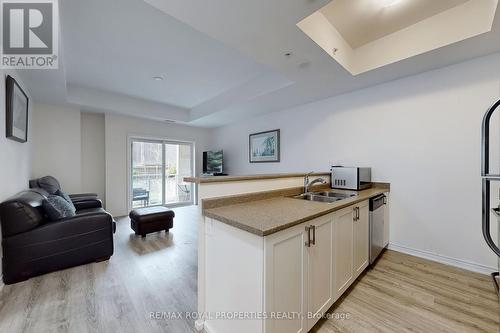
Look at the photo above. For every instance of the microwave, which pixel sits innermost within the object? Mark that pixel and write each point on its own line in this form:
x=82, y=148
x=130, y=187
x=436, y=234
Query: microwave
x=351, y=178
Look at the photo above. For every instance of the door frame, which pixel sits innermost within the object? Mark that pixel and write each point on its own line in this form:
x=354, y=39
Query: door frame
x=157, y=139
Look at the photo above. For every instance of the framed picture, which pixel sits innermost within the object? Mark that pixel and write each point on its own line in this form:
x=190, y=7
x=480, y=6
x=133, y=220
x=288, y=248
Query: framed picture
x=265, y=147
x=16, y=111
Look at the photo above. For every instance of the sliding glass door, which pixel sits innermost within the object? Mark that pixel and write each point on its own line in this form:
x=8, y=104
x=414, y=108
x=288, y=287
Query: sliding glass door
x=178, y=164
x=157, y=172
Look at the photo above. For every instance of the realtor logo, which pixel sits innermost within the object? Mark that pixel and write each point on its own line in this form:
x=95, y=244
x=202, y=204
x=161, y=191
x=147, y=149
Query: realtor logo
x=30, y=34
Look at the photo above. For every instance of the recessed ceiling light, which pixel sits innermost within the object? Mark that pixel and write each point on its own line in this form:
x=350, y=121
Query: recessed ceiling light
x=388, y=3
x=304, y=64
x=158, y=78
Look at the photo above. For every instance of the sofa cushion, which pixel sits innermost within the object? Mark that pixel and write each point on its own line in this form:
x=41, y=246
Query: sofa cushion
x=22, y=212
x=58, y=208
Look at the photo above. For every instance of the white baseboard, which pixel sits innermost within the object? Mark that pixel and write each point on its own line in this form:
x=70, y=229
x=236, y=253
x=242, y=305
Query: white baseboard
x=470, y=266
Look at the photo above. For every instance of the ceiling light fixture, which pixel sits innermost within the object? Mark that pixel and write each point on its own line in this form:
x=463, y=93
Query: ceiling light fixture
x=388, y=3
x=158, y=78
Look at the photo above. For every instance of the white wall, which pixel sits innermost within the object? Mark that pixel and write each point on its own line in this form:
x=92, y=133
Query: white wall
x=16, y=158
x=421, y=134
x=118, y=129
x=15, y=168
x=93, y=154
x=69, y=145
x=57, y=145
x=87, y=152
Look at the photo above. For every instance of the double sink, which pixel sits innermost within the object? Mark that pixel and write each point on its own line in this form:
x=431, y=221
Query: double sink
x=325, y=196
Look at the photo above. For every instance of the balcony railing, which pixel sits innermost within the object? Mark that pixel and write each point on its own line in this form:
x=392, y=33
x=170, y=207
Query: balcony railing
x=147, y=188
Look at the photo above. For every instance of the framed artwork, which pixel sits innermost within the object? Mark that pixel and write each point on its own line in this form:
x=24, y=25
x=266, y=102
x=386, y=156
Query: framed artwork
x=16, y=111
x=264, y=147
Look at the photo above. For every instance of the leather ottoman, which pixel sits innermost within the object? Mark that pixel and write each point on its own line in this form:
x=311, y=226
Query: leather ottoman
x=151, y=219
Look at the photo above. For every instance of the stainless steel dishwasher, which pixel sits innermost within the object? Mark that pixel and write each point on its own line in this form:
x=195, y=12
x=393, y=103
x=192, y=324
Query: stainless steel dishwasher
x=377, y=226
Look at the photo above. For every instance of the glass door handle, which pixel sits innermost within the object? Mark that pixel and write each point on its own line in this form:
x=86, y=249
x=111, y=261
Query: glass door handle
x=485, y=140
x=485, y=171
x=486, y=217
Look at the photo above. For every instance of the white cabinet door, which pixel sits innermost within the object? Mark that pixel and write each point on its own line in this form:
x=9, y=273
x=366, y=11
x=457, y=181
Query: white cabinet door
x=343, y=250
x=361, y=237
x=304, y=281
x=320, y=292
x=285, y=286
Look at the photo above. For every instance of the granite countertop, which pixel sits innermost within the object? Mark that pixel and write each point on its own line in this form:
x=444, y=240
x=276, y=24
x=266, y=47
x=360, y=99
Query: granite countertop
x=265, y=217
x=222, y=179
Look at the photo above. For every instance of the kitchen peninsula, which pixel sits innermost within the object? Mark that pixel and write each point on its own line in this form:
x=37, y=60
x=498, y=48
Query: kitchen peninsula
x=270, y=262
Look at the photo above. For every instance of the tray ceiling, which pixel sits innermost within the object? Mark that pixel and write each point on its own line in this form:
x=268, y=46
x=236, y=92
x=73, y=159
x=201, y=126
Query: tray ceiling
x=363, y=21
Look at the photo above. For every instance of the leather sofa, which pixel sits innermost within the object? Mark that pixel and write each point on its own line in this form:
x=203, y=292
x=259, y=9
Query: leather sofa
x=32, y=245
x=51, y=185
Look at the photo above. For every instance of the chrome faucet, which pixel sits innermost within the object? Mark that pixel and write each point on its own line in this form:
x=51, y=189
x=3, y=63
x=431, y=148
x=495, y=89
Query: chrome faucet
x=308, y=184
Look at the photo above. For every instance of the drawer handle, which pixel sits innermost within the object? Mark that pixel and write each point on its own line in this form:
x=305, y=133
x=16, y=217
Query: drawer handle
x=308, y=231
x=356, y=214
x=313, y=227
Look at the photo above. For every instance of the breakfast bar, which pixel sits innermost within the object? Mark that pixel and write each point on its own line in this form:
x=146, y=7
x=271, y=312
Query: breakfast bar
x=271, y=257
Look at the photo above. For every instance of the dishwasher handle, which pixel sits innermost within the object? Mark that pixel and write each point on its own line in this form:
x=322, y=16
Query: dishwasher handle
x=377, y=202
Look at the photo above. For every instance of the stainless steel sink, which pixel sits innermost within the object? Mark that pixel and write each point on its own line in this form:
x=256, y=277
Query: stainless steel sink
x=326, y=196
x=312, y=197
x=339, y=196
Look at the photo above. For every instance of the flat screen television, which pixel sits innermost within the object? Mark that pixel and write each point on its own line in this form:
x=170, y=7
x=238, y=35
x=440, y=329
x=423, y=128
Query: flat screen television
x=213, y=162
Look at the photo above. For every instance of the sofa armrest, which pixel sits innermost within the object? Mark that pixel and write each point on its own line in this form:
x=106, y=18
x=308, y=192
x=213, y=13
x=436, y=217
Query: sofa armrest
x=86, y=204
x=82, y=196
x=62, y=229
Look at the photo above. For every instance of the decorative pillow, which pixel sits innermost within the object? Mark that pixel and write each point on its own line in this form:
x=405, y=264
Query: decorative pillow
x=57, y=208
x=66, y=197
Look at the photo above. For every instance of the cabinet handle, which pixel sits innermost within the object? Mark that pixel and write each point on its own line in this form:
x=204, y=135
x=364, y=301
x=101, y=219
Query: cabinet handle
x=313, y=227
x=308, y=242
x=354, y=213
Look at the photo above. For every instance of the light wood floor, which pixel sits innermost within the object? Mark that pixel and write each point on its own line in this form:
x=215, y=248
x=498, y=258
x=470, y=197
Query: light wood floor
x=155, y=274
x=402, y=293
x=408, y=294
